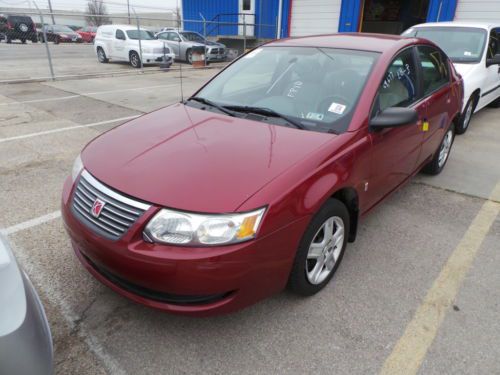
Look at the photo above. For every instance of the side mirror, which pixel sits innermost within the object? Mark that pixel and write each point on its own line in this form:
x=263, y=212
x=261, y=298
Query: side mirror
x=495, y=60
x=393, y=117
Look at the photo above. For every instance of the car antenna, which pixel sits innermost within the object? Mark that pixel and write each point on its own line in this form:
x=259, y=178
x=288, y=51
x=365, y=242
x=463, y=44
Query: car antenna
x=180, y=62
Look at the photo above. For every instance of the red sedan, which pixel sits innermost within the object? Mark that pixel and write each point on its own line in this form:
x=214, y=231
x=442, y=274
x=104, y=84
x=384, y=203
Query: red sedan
x=87, y=33
x=259, y=180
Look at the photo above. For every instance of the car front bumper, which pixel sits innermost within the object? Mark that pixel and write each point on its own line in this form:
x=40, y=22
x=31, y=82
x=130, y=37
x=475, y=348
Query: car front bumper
x=191, y=281
x=152, y=58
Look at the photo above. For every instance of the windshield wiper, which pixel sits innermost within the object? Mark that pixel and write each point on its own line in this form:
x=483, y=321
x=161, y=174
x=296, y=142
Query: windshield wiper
x=212, y=104
x=265, y=112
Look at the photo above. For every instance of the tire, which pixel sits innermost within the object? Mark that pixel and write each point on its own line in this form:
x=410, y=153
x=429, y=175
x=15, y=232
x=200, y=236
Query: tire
x=135, y=60
x=56, y=40
x=23, y=41
x=189, y=57
x=311, y=271
x=442, y=154
x=34, y=40
x=466, y=116
x=101, y=55
x=8, y=40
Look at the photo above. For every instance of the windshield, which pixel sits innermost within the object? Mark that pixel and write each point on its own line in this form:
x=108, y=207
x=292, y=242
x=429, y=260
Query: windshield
x=316, y=87
x=62, y=29
x=461, y=44
x=193, y=37
x=144, y=34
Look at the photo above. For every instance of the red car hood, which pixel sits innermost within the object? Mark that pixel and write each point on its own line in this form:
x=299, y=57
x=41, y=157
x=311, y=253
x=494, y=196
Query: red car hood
x=195, y=160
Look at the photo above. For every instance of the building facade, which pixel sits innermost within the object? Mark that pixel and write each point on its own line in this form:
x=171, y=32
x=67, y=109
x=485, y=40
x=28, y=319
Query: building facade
x=281, y=18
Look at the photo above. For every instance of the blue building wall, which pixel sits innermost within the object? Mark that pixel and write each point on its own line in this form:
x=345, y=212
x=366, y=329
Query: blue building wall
x=226, y=11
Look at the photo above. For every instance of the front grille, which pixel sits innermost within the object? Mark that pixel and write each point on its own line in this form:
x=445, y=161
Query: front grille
x=216, y=51
x=118, y=214
x=156, y=295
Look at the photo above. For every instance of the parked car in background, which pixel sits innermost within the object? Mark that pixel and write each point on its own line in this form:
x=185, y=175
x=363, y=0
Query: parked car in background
x=260, y=178
x=474, y=49
x=121, y=43
x=87, y=33
x=182, y=43
x=14, y=27
x=25, y=339
x=60, y=34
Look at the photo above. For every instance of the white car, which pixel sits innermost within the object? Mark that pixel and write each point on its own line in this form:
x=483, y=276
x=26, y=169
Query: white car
x=474, y=49
x=121, y=43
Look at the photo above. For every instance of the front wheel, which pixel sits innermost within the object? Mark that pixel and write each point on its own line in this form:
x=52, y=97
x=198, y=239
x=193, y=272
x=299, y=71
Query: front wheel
x=135, y=60
x=321, y=249
x=436, y=165
x=466, y=116
x=189, y=56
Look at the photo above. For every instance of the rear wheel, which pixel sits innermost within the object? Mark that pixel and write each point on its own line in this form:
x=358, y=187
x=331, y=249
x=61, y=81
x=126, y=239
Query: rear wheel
x=321, y=249
x=466, y=116
x=101, y=55
x=135, y=60
x=436, y=165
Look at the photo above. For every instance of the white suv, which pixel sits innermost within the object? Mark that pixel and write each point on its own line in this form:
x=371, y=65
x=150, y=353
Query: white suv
x=121, y=43
x=474, y=49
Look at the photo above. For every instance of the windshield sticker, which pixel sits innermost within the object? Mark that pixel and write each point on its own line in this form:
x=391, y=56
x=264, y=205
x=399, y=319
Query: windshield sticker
x=315, y=116
x=467, y=53
x=297, y=85
x=253, y=53
x=337, y=108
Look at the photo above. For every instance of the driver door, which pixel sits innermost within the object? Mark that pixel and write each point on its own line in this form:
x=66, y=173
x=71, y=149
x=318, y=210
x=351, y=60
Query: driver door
x=492, y=82
x=174, y=42
x=119, y=50
x=395, y=151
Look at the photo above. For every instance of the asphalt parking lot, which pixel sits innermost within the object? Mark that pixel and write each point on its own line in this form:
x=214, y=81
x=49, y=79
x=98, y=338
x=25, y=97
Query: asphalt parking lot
x=426, y=260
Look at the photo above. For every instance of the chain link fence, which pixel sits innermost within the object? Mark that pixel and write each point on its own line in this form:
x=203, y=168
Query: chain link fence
x=39, y=43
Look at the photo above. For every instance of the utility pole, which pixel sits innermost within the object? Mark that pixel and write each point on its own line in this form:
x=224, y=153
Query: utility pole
x=51, y=13
x=128, y=9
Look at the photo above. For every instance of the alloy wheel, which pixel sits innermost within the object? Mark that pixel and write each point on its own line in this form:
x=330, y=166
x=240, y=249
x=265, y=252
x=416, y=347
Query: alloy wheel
x=468, y=114
x=324, y=250
x=444, y=150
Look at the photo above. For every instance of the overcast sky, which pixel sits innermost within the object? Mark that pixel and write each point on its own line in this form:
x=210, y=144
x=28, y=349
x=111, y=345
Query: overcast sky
x=114, y=6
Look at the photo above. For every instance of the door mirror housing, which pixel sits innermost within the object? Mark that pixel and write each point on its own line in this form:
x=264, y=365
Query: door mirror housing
x=495, y=60
x=393, y=117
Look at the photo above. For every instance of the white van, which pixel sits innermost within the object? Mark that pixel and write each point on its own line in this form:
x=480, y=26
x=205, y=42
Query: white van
x=121, y=43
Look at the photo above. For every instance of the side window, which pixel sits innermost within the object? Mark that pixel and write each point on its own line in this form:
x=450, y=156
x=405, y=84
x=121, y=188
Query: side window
x=120, y=34
x=435, y=69
x=399, y=87
x=163, y=36
x=493, y=45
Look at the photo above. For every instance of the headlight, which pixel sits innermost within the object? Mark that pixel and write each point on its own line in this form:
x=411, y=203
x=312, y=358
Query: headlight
x=77, y=168
x=182, y=228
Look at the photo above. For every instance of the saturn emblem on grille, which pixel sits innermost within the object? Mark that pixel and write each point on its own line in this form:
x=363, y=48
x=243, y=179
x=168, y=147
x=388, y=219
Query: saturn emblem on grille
x=97, y=208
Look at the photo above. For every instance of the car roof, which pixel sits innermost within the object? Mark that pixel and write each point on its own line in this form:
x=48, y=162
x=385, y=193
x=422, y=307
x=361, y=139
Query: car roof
x=473, y=24
x=354, y=41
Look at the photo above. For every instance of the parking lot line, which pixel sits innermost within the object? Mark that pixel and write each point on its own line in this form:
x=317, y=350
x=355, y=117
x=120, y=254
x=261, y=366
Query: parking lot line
x=31, y=135
x=411, y=349
x=30, y=223
x=86, y=94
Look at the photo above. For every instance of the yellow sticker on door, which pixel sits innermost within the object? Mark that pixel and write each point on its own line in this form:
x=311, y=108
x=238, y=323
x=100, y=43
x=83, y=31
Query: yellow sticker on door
x=425, y=126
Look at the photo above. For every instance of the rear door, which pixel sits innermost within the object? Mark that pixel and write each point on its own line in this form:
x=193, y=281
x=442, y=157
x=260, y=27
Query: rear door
x=434, y=77
x=492, y=83
x=396, y=151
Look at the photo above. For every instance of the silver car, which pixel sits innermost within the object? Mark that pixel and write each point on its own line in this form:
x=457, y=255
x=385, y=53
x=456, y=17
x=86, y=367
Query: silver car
x=25, y=339
x=182, y=42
